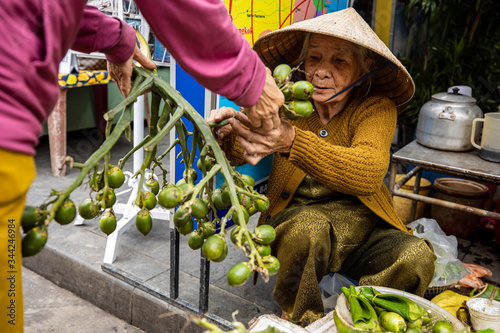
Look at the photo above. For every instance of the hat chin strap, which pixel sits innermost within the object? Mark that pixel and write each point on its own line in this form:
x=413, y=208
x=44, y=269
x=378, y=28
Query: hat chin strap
x=386, y=63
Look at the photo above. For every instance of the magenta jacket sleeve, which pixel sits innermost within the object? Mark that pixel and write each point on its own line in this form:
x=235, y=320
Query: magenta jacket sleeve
x=99, y=32
x=202, y=38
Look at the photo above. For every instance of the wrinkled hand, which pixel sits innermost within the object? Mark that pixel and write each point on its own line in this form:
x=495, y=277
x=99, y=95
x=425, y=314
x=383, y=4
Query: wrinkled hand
x=122, y=72
x=265, y=114
x=219, y=115
x=259, y=143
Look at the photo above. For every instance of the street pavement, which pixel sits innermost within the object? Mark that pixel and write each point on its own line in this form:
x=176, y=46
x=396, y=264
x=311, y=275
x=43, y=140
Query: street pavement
x=49, y=308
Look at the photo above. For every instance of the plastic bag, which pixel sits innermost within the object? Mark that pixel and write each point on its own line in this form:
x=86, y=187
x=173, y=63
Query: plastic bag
x=448, y=269
x=330, y=289
x=473, y=280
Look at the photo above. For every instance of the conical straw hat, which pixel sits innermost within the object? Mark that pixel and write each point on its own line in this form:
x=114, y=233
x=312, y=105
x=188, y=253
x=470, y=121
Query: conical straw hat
x=284, y=46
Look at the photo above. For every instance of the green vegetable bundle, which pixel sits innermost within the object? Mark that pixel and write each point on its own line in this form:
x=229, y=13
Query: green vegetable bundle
x=401, y=305
x=373, y=311
x=363, y=314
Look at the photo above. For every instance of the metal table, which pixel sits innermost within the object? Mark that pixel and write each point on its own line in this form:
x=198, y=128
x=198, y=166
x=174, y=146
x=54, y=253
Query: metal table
x=461, y=164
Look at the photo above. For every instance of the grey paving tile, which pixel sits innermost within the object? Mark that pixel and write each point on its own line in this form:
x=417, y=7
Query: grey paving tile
x=49, y=308
x=141, y=266
x=222, y=303
x=487, y=256
x=155, y=315
x=84, y=280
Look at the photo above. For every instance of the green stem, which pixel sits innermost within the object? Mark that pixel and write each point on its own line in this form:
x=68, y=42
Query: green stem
x=202, y=182
x=253, y=194
x=167, y=109
x=77, y=165
x=176, y=141
x=183, y=141
x=138, y=88
x=218, y=124
x=179, y=112
x=124, y=159
x=107, y=158
x=94, y=159
x=194, y=142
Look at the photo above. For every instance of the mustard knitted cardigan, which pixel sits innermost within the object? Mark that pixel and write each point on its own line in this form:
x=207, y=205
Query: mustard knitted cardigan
x=353, y=157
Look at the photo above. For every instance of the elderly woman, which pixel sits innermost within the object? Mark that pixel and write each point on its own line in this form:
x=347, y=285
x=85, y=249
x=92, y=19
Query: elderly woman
x=328, y=203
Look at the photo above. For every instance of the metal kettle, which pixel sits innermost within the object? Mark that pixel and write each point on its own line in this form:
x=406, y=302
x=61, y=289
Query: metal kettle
x=445, y=122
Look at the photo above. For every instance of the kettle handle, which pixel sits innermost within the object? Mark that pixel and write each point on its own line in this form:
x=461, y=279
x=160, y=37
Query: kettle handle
x=473, y=132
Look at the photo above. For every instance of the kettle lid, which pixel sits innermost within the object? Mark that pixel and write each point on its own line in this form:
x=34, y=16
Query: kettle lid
x=454, y=96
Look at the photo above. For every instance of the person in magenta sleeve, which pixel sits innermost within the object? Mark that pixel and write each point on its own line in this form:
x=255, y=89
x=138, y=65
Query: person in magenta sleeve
x=36, y=36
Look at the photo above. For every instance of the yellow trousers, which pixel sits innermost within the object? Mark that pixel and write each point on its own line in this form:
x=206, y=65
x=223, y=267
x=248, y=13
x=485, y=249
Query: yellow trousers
x=17, y=171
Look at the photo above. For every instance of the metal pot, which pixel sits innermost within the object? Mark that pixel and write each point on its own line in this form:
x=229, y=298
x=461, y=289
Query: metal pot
x=445, y=122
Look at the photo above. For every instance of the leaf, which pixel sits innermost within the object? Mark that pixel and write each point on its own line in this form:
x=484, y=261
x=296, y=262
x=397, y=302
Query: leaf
x=401, y=305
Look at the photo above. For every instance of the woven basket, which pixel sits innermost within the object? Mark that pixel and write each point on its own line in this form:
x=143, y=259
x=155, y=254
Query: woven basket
x=431, y=292
x=92, y=64
x=437, y=313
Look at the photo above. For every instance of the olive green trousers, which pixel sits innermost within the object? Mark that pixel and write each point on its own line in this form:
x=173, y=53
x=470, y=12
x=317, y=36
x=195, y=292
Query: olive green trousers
x=342, y=235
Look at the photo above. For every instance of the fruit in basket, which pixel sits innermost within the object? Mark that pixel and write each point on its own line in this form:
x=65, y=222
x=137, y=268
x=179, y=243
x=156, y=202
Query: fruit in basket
x=392, y=322
x=442, y=326
x=413, y=330
x=415, y=324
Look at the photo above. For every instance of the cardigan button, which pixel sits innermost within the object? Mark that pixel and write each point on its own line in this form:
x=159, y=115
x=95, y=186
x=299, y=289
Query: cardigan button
x=323, y=133
x=285, y=194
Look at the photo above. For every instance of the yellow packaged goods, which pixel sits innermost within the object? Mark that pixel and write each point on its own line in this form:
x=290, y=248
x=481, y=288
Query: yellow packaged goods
x=450, y=301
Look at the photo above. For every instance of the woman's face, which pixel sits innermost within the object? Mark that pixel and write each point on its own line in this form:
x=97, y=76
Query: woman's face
x=331, y=65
